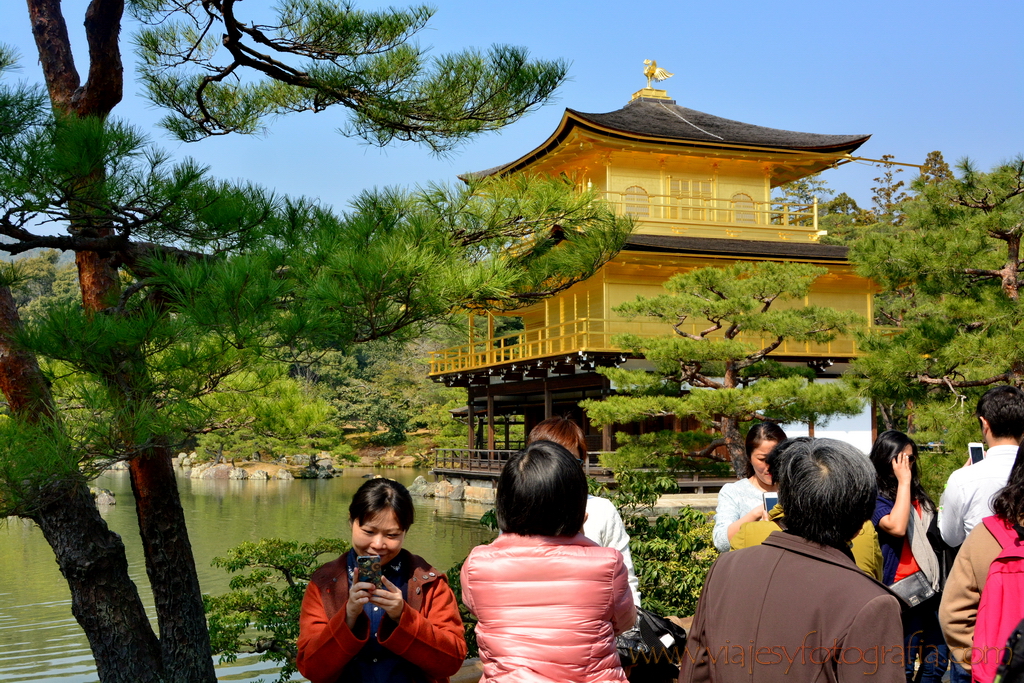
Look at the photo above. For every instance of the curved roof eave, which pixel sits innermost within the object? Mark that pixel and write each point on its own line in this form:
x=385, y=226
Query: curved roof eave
x=571, y=119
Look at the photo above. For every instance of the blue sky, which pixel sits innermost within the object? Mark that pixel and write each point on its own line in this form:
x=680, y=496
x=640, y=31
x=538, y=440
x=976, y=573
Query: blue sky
x=918, y=76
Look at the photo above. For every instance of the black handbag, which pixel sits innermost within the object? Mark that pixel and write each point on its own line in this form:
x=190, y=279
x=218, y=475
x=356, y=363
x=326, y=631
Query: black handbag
x=652, y=640
x=914, y=589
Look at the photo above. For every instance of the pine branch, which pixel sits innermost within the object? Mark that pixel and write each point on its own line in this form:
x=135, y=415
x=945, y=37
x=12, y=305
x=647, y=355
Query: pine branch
x=102, y=245
x=208, y=118
x=128, y=293
x=963, y=384
x=710, y=448
x=760, y=355
x=218, y=426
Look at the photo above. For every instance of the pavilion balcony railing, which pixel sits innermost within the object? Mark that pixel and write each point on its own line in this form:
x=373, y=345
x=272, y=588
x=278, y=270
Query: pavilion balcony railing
x=596, y=335
x=481, y=460
x=471, y=459
x=785, y=218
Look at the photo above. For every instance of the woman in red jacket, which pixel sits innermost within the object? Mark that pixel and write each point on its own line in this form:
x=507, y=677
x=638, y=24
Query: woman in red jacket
x=408, y=630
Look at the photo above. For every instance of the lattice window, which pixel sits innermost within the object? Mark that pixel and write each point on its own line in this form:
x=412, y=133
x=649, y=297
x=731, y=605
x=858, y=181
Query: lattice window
x=637, y=202
x=688, y=198
x=743, y=208
x=682, y=187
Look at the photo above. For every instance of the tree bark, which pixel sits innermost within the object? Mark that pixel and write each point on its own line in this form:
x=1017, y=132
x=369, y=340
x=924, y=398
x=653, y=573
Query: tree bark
x=170, y=564
x=1011, y=271
x=105, y=85
x=104, y=599
x=21, y=381
x=184, y=637
x=54, y=46
x=734, y=444
x=91, y=557
x=97, y=279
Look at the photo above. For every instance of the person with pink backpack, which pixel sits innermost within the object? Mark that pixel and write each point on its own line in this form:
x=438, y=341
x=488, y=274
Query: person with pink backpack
x=983, y=601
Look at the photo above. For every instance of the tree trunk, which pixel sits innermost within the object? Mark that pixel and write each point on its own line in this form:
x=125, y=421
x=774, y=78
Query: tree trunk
x=21, y=381
x=170, y=565
x=1011, y=271
x=104, y=599
x=731, y=427
x=91, y=557
x=734, y=444
x=184, y=637
x=184, y=640
x=97, y=278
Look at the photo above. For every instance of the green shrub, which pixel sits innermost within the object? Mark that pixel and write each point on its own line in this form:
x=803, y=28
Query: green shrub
x=671, y=556
x=261, y=612
x=468, y=620
x=672, y=553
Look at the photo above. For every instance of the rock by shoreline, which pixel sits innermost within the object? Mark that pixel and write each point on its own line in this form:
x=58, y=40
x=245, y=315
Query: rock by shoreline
x=298, y=466
x=102, y=496
x=452, y=490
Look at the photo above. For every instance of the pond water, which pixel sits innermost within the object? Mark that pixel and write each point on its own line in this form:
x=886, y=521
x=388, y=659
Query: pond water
x=40, y=639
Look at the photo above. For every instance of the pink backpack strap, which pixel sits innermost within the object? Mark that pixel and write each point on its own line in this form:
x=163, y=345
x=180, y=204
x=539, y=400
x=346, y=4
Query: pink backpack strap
x=1006, y=535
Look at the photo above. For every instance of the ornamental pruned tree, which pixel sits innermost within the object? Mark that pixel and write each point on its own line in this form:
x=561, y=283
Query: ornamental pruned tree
x=717, y=366
x=185, y=281
x=951, y=279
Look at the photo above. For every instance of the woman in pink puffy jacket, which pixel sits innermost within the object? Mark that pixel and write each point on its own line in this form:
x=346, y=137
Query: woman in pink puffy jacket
x=549, y=601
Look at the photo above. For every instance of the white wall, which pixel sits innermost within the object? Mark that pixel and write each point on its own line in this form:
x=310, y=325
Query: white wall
x=854, y=430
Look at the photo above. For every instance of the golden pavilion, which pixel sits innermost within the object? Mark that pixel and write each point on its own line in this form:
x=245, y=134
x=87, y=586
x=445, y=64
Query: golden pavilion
x=699, y=187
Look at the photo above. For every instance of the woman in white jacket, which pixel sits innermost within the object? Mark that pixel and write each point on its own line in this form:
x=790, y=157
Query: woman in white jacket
x=741, y=501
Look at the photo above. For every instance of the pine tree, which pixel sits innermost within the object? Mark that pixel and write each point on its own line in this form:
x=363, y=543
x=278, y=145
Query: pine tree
x=935, y=168
x=889, y=194
x=717, y=366
x=185, y=281
x=804, y=190
x=951, y=284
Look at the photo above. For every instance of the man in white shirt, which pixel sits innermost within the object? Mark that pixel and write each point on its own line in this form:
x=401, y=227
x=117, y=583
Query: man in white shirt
x=968, y=495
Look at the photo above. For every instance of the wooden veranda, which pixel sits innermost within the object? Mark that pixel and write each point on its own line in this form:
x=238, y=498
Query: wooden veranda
x=486, y=465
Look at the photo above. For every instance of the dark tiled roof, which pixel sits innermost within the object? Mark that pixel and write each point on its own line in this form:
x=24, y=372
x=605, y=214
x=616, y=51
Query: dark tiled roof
x=666, y=119
x=737, y=248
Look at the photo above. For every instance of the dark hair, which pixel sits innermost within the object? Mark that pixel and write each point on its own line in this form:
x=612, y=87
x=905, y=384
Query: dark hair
x=758, y=434
x=887, y=446
x=1008, y=504
x=376, y=496
x=776, y=458
x=827, y=489
x=542, y=491
x=1003, y=409
x=562, y=431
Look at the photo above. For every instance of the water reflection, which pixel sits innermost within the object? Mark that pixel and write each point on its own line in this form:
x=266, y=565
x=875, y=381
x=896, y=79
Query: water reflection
x=40, y=640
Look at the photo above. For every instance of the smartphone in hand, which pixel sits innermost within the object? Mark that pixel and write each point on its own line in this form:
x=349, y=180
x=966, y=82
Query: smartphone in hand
x=770, y=500
x=977, y=452
x=369, y=570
